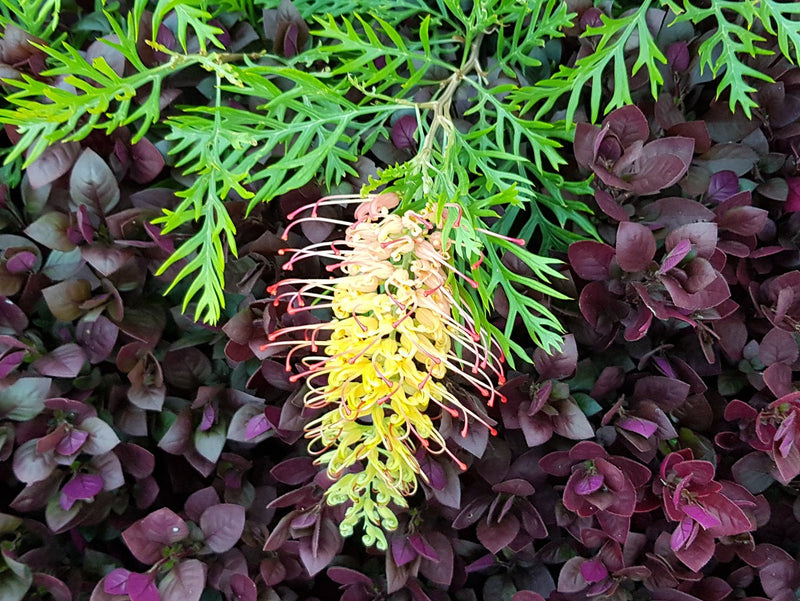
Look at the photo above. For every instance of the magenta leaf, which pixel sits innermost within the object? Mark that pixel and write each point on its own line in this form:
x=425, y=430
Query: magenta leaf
x=83, y=487
x=141, y=587
x=638, y=425
x=588, y=484
x=71, y=442
x=722, y=185
x=116, y=582
x=675, y=256
x=209, y=415
x=222, y=526
x=701, y=516
x=594, y=571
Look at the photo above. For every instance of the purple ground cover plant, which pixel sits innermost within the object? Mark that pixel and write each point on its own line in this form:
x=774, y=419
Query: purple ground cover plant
x=653, y=453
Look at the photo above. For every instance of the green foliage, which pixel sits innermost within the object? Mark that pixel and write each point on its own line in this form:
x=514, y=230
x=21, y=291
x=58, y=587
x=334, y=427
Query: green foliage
x=592, y=70
x=734, y=40
x=37, y=17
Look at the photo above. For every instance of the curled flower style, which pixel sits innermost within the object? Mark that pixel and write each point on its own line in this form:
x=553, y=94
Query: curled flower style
x=395, y=333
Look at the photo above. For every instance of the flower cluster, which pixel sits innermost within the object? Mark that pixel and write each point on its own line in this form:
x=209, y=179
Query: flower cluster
x=395, y=332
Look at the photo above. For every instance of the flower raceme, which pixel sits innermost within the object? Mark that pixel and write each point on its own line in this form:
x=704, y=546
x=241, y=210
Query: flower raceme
x=379, y=364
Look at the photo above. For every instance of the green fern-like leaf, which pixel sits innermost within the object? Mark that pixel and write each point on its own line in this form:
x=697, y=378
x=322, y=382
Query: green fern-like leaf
x=592, y=71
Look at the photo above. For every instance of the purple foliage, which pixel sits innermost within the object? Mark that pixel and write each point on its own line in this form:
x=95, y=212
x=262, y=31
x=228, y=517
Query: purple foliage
x=653, y=456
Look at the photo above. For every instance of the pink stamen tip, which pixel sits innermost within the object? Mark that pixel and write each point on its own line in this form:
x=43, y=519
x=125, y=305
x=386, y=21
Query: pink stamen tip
x=477, y=263
x=295, y=378
x=263, y=347
x=492, y=431
x=465, y=429
x=452, y=412
x=424, y=443
x=490, y=403
x=285, y=236
x=501, y=380
x=462, y=466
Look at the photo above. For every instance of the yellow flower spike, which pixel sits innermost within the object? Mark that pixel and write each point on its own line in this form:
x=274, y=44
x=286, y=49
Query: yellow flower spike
x=395, y=333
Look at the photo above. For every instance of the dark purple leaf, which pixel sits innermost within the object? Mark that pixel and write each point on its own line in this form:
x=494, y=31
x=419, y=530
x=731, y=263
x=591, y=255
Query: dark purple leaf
x=316, y=557
x=243, y=588
x=31, y=466
x=636, y=246
x=441, y=570
x=113, y=58
x=638, y=425
x=256, y=426
x=778, y=346
x=628, y=124
x=222, y=526
x=97, y=337
x=559, y=364
x=594, y=571
x=591, y=260
x=291, y=31
x=10, y=362
x=209, y=416
x=146, y=162
x=92, y=184
x=403, y=132
x=137, y=461
x=341, y=575
x=744, y=221
x=295, y=471
x=497, y=535
x=722, y=185
x=402, y=550
x=570, y=422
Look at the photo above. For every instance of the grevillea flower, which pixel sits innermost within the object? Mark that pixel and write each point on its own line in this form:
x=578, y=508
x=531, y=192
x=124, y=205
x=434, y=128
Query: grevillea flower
x=379, y=364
